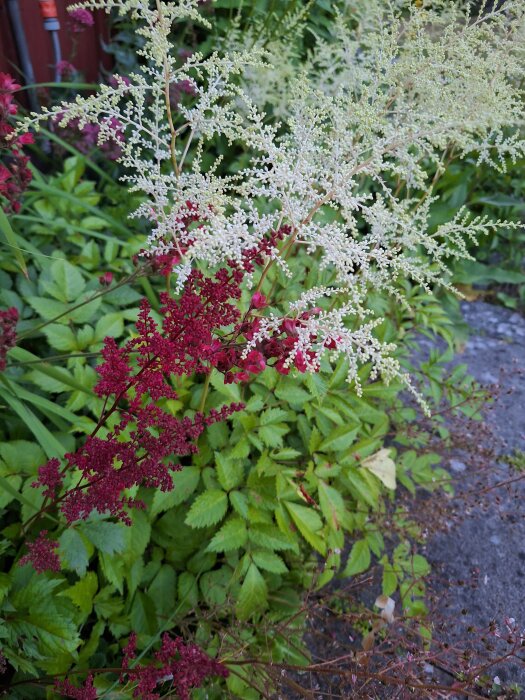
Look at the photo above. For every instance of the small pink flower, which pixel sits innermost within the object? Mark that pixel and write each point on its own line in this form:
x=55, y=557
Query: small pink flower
x=300, y=361
x=254, y=362
x=81, y=19
x=106, y=279
x=65, y=69
x=258, y=301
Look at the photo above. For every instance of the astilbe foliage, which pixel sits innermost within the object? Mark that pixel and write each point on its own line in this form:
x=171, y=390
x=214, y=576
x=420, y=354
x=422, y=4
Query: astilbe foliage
x=14, y=173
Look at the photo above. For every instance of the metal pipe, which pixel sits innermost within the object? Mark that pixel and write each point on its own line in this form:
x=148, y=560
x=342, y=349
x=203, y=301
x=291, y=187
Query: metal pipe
x=23, y=52
x=49, y=14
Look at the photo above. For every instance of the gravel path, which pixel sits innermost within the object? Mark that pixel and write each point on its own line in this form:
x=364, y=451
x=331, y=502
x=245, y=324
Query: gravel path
x=489, y=543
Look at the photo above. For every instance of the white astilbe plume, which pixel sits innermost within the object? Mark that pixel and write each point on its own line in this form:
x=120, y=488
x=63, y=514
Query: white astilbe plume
x=396, y=88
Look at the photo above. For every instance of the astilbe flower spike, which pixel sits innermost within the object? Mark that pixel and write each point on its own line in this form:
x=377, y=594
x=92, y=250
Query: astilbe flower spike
x=184, y=666
x=14, y=173
x=87, y=691
x=8, y=320
x=42, y=554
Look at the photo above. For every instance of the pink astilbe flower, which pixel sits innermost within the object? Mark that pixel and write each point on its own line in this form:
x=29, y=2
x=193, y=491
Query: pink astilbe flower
x=42, y=554
x=66, y=69
x=50, y=477
x=182, y=666
x=14, y=173
x=81, y=19
x=8, y=321
x=87, y=691
x=86, y=138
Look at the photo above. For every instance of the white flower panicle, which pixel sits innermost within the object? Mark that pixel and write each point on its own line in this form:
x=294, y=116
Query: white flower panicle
x=398, y=87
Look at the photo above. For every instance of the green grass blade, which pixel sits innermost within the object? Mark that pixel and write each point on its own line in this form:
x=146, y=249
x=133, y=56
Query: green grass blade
x=11, y=240
x=51, y=446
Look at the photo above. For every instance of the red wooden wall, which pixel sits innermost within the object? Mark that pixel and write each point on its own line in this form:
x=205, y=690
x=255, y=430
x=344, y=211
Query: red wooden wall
x=83, y=50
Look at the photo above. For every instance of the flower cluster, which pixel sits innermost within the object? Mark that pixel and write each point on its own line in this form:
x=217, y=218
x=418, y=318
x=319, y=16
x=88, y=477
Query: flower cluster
x=141, y=447
x=8, y=321
x=183, y=666
x=42, y=555
x=87, y=691
x=80, y=19
x=14, y=173
x=88, y=137
x=341, y=127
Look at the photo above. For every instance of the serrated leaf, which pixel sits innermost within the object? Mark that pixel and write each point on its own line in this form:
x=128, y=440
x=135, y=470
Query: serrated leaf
x=331, y=503
x=107, y=537
x=143, y=616
x=342, y=438
x=239, y=503
x=207, y=509
x=253, y=594
x=359, y=559
x=382, y=466
x=162, y=590
x=288, y=391
x=61, y=337
x=230, y=472
x=308, y=523
x=232, y=535
x=111, y=324
x=74, y=551
x=185, y=482
x=270, y=537
x=67, y=282
x=270, y=562
x=83, y=592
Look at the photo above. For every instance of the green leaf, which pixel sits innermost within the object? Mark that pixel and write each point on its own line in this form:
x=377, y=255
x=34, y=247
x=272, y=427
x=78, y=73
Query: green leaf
x=143, y=616
x=308, y=523
x=229, y=472
x=185, y=482
x=253, y=594
x=74, y=552
x=109, y=325
x=207, y=509
x=107, y=537
x=67, y=282
x=162, y=590
x=389, y=579
x=288, y=391
x=232, y=535
x=61, y=337
x=239, y=503
x=47, y=308
x=331, y=503
x=11, y=241
x=270, y=562
x=270, y=537
x=188, y=590
x=359, y=559
x=57, y=373
x=83, y=592
x=51, y=446
x=342, y=438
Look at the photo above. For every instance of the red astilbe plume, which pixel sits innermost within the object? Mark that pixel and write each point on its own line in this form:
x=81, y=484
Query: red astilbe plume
x=42, y=554
x=142, y=447
x=8, y=321
x=87, y=691
x=184, y=666
x=14, y=173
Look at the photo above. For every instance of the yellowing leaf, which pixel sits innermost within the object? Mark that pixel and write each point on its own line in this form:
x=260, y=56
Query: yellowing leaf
x=382, y=466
